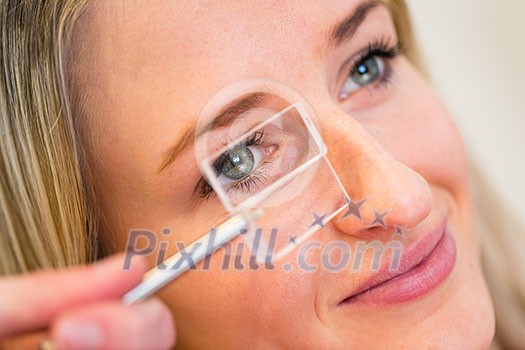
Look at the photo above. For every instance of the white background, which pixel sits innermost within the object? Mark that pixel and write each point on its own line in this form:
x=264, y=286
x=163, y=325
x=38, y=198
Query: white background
x=474, y=51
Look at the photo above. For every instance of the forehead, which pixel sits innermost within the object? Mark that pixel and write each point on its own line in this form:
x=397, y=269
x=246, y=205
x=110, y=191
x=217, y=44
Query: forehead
x=182, y=39
x=203, y=28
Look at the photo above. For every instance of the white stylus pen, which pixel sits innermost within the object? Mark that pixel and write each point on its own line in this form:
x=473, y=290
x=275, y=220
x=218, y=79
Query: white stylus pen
x=176, y=265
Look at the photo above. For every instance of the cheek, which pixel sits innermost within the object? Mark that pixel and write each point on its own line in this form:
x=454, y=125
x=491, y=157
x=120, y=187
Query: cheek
x=233, y=307
x=415, y=128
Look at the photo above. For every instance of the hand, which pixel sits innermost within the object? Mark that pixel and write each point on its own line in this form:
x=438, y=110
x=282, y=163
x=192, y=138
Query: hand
x=80, y=308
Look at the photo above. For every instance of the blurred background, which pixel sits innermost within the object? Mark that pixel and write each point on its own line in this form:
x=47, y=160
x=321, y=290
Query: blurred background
x=474, y=51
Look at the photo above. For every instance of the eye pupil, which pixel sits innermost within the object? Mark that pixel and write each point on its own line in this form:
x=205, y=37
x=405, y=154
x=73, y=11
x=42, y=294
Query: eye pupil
x=235, y=160
x=239, y=163
x=366, y=72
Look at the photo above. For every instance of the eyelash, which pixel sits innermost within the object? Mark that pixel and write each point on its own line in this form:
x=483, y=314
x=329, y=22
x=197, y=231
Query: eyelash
x=383, y=48
x=245, y=184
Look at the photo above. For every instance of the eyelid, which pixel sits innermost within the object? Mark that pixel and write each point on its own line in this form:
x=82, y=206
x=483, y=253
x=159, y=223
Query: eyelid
x=382, y=47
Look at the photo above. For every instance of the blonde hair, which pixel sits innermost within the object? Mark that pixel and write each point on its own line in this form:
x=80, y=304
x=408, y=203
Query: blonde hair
x=43, y=214
x=47, y=212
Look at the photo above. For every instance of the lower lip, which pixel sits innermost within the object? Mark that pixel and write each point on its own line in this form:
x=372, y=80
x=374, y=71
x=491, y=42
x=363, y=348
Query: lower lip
x=421, y=279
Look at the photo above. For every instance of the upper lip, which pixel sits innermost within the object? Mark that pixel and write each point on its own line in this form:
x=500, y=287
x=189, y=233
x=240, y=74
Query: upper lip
x=412, y=258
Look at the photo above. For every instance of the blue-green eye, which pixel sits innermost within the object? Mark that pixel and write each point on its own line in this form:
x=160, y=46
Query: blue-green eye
x=367, y=71
x=240, y=161
x=371, y=67
x=237, y=163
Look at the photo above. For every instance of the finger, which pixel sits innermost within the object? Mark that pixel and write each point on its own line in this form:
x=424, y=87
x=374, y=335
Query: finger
x=31, y=301
x=112, y=325
x=27, y=341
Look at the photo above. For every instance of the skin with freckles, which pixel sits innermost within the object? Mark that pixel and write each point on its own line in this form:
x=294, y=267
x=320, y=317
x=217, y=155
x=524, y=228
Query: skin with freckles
x=153, y=68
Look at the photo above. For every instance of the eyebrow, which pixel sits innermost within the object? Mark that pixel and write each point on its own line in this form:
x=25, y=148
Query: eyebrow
x=339, y=33
x=346, y=29
x=225, y=118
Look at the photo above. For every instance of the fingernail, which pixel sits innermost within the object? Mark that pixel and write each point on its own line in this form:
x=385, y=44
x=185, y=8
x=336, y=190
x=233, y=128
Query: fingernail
x=79, y=335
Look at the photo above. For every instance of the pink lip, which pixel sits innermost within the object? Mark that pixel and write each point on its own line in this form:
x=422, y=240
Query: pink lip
x=421, y=270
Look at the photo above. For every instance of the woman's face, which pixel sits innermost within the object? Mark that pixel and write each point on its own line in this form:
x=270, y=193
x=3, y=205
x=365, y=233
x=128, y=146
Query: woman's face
x=153, y=66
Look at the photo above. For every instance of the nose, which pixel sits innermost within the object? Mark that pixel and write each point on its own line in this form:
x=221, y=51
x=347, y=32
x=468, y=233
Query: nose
x=384, y=193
